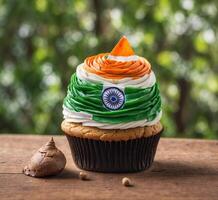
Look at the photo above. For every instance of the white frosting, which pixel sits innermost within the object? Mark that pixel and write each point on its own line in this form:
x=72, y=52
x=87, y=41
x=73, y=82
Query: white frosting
x=122, y=58
x=86, y=120
x=148, y=80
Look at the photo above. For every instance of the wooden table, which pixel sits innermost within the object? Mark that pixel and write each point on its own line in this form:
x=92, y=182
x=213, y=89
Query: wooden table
x=183, y=169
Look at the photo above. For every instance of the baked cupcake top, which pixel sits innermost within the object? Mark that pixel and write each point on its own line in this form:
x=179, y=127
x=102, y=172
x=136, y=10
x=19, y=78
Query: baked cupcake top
x=115, y=90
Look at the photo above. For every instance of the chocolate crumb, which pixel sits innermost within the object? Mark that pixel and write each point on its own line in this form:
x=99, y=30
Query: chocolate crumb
x=126, y=182
x=83, y=176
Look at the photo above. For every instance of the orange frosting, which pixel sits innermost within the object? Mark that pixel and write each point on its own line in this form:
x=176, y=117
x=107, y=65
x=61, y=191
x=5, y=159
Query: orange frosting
x=111, y=69
x=122, y=48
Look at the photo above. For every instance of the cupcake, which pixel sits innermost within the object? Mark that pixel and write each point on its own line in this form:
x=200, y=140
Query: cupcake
x=112, y=112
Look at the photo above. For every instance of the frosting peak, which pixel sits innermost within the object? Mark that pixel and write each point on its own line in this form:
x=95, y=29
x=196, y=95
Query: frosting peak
x=122, y=48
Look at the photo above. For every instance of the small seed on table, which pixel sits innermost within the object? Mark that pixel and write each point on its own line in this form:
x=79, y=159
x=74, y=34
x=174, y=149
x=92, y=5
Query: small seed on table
x=83, y=176
x=126, y=182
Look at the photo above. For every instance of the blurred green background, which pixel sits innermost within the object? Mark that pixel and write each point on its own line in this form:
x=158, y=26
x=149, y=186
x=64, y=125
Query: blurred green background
x=42, y=42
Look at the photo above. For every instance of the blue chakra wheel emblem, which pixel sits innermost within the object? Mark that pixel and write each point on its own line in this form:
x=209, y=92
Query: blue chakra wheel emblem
x=113, y=98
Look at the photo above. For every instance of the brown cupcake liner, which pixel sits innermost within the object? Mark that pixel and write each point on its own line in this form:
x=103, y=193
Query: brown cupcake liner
x=115, y=156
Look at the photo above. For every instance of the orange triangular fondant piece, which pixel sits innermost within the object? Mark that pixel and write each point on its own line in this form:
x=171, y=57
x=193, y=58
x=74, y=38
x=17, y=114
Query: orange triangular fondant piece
x=122, y=48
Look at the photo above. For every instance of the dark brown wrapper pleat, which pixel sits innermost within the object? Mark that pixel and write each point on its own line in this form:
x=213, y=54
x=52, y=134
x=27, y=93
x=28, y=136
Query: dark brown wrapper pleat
x=116, y=156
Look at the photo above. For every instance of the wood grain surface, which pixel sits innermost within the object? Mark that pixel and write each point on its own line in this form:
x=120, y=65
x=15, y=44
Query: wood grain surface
x=183, y=169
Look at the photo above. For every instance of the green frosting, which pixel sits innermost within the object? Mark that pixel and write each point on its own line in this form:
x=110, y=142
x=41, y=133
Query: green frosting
x=139, y=103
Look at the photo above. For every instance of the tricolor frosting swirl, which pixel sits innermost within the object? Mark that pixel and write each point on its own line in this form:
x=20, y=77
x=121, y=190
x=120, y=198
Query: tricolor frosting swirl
x=116, y=90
